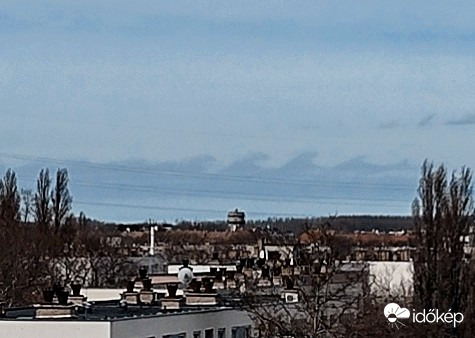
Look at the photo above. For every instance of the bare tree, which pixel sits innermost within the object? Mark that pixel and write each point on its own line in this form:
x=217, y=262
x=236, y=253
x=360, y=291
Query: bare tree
x=28, y=201
x=61, y=199
x=325, y=293
x=443, y=215
x=9, y=199
x=43, y=213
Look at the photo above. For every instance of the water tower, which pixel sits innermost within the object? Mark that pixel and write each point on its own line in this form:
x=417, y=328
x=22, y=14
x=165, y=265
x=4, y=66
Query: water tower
x=236, y=219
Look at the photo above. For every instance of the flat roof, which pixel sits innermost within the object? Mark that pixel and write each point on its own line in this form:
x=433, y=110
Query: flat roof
x=112, y=311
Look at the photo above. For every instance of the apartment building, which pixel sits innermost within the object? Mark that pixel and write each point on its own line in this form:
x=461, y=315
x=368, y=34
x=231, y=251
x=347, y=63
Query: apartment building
x=114, y=320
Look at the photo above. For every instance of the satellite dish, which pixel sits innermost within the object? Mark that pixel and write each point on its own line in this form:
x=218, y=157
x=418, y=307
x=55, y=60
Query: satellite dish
x=185, y=275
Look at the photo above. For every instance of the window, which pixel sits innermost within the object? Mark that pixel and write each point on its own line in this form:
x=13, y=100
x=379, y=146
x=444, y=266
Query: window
x=176, y=335
x=197, y=334
x=209, y=333
x=240, y=332
x=222, y=333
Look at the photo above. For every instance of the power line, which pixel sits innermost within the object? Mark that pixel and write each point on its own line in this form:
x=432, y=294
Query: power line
x=216, y=211
x=227, y=195
x=238, y=196
x=209, y=194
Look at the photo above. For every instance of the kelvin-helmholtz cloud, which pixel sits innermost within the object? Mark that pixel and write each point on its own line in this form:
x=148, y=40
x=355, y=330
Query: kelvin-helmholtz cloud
x=163, y=82
x=426, y=120
x=467, y=119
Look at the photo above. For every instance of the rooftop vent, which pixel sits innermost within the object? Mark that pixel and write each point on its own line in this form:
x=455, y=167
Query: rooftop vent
x=197, y=298
x=48, y=295
x=143, y=272
x=147, y=295
x=172, y=301
x=76, y=297
x=130, y=296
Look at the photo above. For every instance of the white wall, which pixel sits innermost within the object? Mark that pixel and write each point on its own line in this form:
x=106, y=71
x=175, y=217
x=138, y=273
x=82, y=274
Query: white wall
x=174, y=268
x=53, y=329
x=179, y=323
x=391, y=278
x=136, y=327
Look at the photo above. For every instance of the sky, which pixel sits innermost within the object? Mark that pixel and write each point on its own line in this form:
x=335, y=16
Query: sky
x=248, y=89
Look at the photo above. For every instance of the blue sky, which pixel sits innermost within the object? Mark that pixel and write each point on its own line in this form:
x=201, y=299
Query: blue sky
x=160, y=83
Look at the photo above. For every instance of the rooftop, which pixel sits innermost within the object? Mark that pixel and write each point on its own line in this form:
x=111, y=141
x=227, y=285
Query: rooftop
x=107, y=311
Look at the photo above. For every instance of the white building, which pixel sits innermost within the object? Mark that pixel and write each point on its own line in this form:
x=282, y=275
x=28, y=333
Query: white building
x=109, y=320
x=391, y=278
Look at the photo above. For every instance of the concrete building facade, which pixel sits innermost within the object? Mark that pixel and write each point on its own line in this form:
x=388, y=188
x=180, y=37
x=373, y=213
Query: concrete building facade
x=217, y=322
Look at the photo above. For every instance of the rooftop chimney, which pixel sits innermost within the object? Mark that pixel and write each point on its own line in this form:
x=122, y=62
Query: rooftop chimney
x=240, y=265
x=196, y=285
x=147, y=284
x=198, y=298
x=76, y=288
x=172, y=289
x=143, y=272
x=77, y=298
x=63, y=297
x=146, y=295
x=289, y=294
x=171, y=302
x=230, y=274
x=265, y=271
x=208, y=283
x=48, y=295
x=289, y=283
x=130, y=296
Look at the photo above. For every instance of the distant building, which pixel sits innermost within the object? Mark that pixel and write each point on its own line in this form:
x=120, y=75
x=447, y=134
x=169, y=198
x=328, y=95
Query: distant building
x=236, y=219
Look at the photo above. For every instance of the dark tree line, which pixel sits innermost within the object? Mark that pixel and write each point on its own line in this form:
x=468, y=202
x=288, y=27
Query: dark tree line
x=348, y=223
